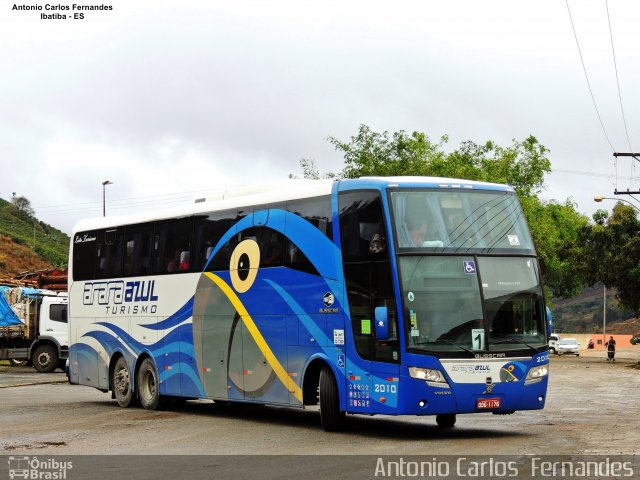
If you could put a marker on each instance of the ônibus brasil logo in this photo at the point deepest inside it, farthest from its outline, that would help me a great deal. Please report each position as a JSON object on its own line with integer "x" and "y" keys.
{"x": 35, "y": 468}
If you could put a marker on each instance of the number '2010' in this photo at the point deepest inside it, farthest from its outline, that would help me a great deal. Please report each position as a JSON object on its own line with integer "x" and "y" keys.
{"x": 381, "y": 388}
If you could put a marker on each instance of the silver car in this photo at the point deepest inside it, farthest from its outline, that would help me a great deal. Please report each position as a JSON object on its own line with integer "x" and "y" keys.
{"x": 568, "y": 345}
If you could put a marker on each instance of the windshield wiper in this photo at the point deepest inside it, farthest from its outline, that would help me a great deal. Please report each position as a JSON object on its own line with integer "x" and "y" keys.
{"x": 514, "y": 340}
{"x": 449, "y": 342}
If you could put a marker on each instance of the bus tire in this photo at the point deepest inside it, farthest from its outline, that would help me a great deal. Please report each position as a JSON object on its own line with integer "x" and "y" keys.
{"x": 148, "y": 385}
{"x": 330, "y": 415}
{"x": 121, "y": 384}
{"x": 45, "y": 358}
{"x": 446, "y": 421}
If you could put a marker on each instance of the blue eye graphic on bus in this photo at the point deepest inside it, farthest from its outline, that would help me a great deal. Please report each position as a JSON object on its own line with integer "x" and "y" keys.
{"x": 512, "y": 372}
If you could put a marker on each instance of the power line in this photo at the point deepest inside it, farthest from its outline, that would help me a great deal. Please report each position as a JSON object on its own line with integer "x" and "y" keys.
{"x": 584, "y": 68}
{"x": 587, "y": 174}
{"x": 615, "y": 64}
{"x": 99, "y": 203}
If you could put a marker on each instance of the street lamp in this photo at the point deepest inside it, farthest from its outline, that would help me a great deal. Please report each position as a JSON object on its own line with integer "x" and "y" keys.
{"x": 104, "y": 184}
{"x": 600, "y": 198}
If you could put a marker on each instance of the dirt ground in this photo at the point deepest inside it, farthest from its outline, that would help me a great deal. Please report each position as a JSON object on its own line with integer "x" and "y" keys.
{"x": 592, "y": 408}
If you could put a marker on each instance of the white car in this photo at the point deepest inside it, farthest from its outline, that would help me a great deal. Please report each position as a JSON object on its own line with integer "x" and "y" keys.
{"x": 568, "y": 345}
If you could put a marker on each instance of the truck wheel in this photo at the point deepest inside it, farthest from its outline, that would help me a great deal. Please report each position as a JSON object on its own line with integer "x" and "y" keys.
{"x": 121, "y": 384}
{"x": 148, "y": 385}
{"x": 45, "y": 358}
{"x": 330, "y": 415}
{"x": 18, "y": 363}
{"x": 552, "y": 350}
{"x": 446, "y": 421}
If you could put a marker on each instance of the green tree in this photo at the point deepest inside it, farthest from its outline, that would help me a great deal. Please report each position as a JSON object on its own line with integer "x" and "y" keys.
{"x": 23, "y": 204}
{"x": 522, "y": 164}
{"x": 611, "y": 254}
{"x": 556, "y": 230}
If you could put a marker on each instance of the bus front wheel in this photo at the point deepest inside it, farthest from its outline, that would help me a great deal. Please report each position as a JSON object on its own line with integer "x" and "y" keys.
{"x": 148, "y": 385}
{"x": 331, "y": 416}
{"x": 446, "y": 421}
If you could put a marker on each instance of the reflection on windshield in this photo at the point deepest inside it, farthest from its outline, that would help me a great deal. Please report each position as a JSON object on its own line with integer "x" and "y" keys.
{"x": 444, "y": 306}
{"x": 461, "y": 220}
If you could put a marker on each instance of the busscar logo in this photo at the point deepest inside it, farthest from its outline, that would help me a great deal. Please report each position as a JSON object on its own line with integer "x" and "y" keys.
{"x": 328, "y": 299}
{"x": 35, "y": 468}
{"x": 122, "y": 298}
{"x": 490, "y": 355}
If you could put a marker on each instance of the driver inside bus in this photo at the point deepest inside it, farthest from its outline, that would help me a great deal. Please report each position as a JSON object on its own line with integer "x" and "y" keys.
{"x": 418, "y": 232}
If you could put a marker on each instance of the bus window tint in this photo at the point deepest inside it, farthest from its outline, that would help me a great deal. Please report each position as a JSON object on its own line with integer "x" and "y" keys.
{"x": 461, "y": 220}
{"x": 271, "y": 248}
{"x": 110, "y": 254}
{"x": 316, "y": 211}
{"x": 208, "y": 232}
{"x": 137, "y": 250}
{"x": 84, "y": 255}
{"x": 172, "y": 245}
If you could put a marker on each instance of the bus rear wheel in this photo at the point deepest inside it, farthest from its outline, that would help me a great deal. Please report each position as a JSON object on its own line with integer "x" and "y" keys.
{"x": 121, "y": 384}
{"x": 446, "y": 421}
{"x": 148, "y": 385}
{"x": 330, "y": 415}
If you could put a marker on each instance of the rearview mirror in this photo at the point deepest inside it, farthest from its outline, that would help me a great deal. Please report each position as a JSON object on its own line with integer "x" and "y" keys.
{"x": 382, "y": 323}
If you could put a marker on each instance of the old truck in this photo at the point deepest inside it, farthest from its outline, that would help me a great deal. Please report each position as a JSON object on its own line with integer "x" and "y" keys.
{"x": 33, "y": 327}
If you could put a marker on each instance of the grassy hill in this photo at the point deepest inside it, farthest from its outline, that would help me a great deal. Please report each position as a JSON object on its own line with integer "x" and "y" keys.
{"x": 27, "y": 243}
{"x": 584, "y": 313}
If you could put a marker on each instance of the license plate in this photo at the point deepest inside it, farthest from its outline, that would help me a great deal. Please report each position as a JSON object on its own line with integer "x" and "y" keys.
{"x": 488, "y": 403}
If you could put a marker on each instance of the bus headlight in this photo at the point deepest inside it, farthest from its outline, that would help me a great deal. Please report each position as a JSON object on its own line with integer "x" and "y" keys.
{"x": 536, "y": 374}
{"x": 427, "y": 374}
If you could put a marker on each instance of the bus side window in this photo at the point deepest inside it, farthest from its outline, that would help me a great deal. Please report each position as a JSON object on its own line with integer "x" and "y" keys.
{"x": 137, "y": 245}
{"x": 84, "y": 255}
{"x": 173, "y": 246}
{"x": 367, "y": 271}
{"x": 316, "y": 211}
{"x": 208, "y": 232}
{"x": 110, "y": 254}
{"x": 271, "y": 248}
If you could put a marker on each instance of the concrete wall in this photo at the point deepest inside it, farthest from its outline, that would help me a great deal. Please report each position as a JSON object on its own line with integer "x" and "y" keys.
{"x": 583, "y": 339}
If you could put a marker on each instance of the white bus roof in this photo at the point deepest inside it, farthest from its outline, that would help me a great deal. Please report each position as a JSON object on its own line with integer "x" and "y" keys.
{"x": 234, "y": 197}
{"x": 289, "y": 189}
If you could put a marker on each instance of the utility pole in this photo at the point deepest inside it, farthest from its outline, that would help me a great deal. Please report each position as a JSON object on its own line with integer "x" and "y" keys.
{"x": 604, "y": 317}
{"x": 635, "y": 156}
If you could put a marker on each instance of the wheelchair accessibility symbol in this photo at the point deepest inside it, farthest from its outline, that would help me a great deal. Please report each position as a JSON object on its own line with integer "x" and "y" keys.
{"x": 469, "y": 267}
{"x": 341, "y": 360}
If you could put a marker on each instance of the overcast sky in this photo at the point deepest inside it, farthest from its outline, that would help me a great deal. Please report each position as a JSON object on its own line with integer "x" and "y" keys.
{"x": 169, "y": 99}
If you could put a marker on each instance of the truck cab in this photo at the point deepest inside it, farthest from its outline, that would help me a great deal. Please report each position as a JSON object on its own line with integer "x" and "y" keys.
{"x": 554, "y": 339}
{"x": 53, "y": 319}
{"x": 50, "y": 348}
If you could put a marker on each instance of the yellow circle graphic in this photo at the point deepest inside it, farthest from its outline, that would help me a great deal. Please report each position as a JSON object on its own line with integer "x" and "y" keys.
{"x": 243, "y": 267}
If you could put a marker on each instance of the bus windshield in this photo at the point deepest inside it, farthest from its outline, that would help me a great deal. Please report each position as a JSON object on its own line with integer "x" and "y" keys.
{"x": 458, "y": 220}
{"x": 447, "y": 311}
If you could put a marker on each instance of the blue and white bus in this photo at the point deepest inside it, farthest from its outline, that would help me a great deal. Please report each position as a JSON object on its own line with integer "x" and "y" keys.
{"x": 394, "y": 296}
